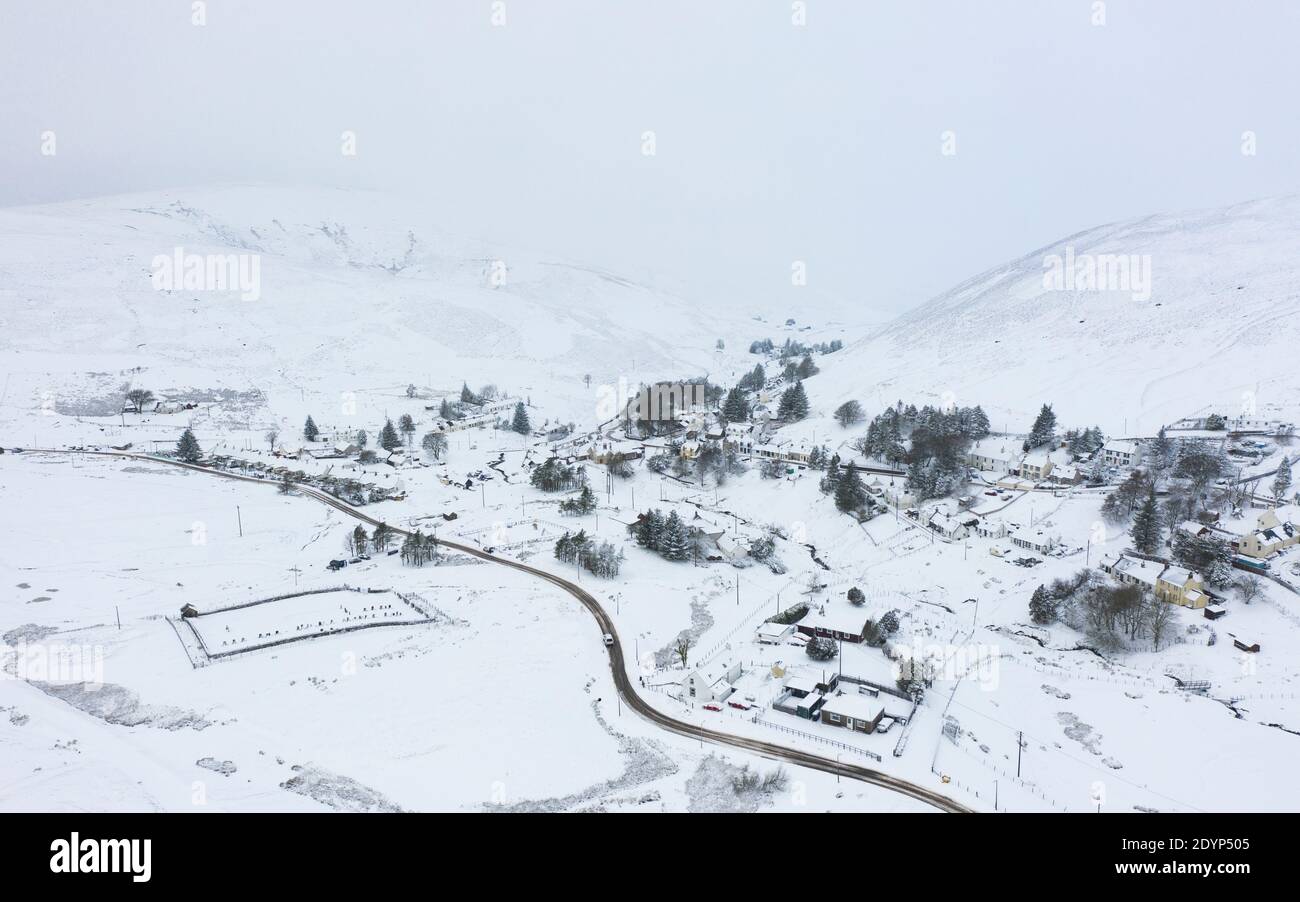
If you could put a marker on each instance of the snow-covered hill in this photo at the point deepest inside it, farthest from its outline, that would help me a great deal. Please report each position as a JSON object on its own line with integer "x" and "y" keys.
{"x": 1221, "y": 327}
{"x": 359, "y": 293}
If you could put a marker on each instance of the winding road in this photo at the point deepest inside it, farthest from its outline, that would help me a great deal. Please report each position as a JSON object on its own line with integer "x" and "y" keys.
{"x": 616, "y": 658}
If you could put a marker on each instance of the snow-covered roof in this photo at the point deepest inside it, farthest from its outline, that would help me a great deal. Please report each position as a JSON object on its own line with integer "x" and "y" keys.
{"x": 999, "y": 448}
{"x": 1119, "y": 446}
{"x": 840, "y": 619}
{"x": 1139, "y": 569}
{"x": 801, "y": 684}
{"x": 859, "y": 707}
{"x": 1178, "y": 576}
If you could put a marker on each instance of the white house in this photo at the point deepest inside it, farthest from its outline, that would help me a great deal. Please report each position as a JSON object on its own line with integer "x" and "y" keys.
{"x": 711, "y": 684}
{"x": 773, "y": 633}
{"x": 1036, "y": 465}
{"x": 994, "y": 454}
{"x": 1119, "y": 453}
{"x": 952, "y": 527}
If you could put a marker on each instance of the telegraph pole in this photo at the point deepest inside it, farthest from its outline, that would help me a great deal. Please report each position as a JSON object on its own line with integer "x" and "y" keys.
{"x": 239, "y": 517}
{"x": 1020, "y": 745}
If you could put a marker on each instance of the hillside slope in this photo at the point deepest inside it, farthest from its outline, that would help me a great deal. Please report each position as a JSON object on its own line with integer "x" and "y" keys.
{"x": 1221, "y": 327}
{"x": 359, "y": 294}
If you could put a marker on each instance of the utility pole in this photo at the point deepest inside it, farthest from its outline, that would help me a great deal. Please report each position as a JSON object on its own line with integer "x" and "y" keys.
{"x": 1020, "y": 746}
{"x": 239, "y": 517}
{"x": 118, "y": 613}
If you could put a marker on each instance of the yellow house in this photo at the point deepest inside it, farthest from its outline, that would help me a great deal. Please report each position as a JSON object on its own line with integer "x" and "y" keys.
{"x": 1274, "y": 532}
{"x": 1178, "y": 585}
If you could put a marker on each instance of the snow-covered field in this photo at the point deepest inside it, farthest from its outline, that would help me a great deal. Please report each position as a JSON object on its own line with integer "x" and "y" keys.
{"x": 502, "y": 698}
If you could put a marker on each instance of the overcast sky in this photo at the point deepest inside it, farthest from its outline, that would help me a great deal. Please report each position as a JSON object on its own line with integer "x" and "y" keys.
{"x": 773, "y": 142}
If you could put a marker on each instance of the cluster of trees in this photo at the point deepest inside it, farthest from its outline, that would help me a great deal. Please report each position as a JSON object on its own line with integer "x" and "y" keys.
{"x": 358, "y": 542}
{"x": 804, "y": 369}
{"x": 754, "y": 379}
{"x": 419, "y": 549}
{"x": 793, "y": 348}
{"x": 669, "y": 536}
{"x": 1108, "y": 613}
{"x": 1083, "y": 442}
{"x": 735, "y": 408}
{"x": 601, "y": 559}
{"x": 887, "y": 431}
{"x": 849, "y": 414}
{"x": 553, "y": 476}
{"x": 1208, "y": 555}
{"x": 845, "y": 484}
{"x": 793, "y": 404}
{"x": 584, "y": 503}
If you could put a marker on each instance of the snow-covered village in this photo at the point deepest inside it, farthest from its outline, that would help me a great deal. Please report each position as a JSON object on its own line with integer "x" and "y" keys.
{"x": 316, "y": 501}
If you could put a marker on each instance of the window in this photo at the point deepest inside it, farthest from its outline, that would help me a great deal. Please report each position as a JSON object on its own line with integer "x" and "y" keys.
{"x": 692, "y": 691}
{"x": 835, "y": 718}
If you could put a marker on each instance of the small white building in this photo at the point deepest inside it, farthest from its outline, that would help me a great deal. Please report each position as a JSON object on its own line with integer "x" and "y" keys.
{"x": 710, "y": 684}
{"x": 773, "y": 633}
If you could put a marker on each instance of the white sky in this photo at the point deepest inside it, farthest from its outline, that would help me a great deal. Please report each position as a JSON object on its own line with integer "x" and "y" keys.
{"x": 774, "y": 143}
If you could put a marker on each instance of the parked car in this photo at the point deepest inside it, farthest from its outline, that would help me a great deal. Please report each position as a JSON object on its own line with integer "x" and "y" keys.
{"x": 337, "y": 565}
{"x": 713, "y": 706}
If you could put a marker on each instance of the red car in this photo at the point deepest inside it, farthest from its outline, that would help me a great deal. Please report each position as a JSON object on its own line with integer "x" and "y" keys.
{"x": 712, "y": 706}
{"x": 744, "y": 706}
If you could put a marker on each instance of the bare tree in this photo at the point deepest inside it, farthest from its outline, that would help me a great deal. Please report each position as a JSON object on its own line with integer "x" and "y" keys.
{"x": 1249, "y": 587}
{"x": 139, "y": 397}
{"x": 1159, "y": 619}
{"x": 682, "y": 649}
{"x": 271, "y": 436}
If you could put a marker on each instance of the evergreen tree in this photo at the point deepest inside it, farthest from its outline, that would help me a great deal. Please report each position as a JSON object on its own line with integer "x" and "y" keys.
{"x": 187, "y": 449}
{"x": 1042, "y": 607}
{"x": 1147, "y": 532}
{"x": 1282, "y": 481}
{"x": 1044, "y": 429}
{"x": 520, "y": 422}
{"x": 977, "y": 423}
{"x": 832, "y": 477}
{"x": 445, "y": 411}
{"x": 675, "y": 545}
{"x": 857, "y": 597}
{"x": 1162, "y": 452}
{"x": 794, "y": 403}
{"x": 466, "y": 396}
{"x": 407, "y": 425}
{"x": 850, "y": 493}
{"x": 309, "y": 430}
{"x": 388, "y": 439}
{"x": 735, "y": 409}
{"x": 806, "y": 367}
{"x": 362, "y": 438}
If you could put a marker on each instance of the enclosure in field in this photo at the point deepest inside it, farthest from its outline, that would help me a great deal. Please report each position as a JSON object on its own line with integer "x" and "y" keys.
{"x": 215, "y": 634}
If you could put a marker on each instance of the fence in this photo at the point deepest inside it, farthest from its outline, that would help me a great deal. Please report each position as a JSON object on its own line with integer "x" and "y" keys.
{"x": 815, "y": 738}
